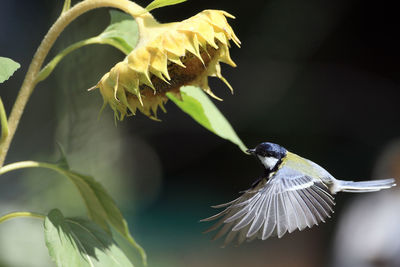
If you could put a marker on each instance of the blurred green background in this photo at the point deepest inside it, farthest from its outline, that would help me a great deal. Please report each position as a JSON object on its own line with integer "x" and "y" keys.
{"x": 318, "y": 77}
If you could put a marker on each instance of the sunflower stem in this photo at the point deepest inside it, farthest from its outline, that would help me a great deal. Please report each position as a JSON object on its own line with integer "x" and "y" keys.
{"x": 26, "y": 164}
{"x": 3, "y": 121}
{"x": 17, "y": 214}
{"x": 30, "y": 81}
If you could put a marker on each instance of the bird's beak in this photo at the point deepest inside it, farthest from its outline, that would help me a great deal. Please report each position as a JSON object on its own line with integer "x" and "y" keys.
{"x": 251, "y": 151}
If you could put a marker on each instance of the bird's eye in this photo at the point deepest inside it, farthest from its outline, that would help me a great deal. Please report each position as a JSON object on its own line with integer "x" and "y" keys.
{"x": 270, "y": 155}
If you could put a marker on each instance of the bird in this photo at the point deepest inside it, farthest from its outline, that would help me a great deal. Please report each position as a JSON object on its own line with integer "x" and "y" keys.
{"x": 293, "y": 193}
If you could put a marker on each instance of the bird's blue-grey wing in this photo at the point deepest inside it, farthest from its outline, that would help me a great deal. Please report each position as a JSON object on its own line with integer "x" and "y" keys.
{"x": 288, "y": 201}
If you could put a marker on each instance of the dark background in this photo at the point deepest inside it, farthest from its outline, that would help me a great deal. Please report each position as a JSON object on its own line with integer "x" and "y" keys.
{"x": 318, "y": 77}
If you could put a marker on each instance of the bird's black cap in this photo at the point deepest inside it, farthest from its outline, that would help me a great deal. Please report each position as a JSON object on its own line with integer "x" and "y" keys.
{"x": 267, "y": 149}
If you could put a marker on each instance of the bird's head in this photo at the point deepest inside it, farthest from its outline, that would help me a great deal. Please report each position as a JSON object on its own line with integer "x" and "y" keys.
{"x": 269, "y": 154}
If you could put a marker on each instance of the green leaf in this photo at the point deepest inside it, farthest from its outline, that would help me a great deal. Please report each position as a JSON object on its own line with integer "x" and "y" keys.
{"x": 100, "y": 206}
{"x": 7, "y": 68}
{"x": 199, "y": 106}
{"x": 122, "y": 30}
{"x": 161, "y": 3}
{"x": 125, "y": 245}
{"x": 122, "y": 33}
{"x": 78, "y": 242}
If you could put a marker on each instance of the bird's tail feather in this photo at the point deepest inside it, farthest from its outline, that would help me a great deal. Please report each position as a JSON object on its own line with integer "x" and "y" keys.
{"x": 365, "y": 186}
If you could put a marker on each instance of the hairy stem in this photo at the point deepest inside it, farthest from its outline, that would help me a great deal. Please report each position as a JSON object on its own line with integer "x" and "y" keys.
{"x": 140, "y": 14}
{"x": 3, "y": 121}
{"x": 17, "y": 214}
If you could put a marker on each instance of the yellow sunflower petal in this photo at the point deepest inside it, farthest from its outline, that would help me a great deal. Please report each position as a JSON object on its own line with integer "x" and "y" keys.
{"x": 173, "y": 55}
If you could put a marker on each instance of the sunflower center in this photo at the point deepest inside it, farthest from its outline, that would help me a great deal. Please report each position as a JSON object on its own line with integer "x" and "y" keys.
{"x": 181, "y": 76}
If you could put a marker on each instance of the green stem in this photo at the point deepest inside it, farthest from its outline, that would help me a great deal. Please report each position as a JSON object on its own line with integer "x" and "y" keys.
{"x": 3, "y": 121}
{"x": 27, "y": 164}
{"x": 17, "y": 214}
{"x": 48, "y": 69}
{"x": 67, "y": 6}
{"x": 112, "y": 42}
{"x": 139, "y": 13}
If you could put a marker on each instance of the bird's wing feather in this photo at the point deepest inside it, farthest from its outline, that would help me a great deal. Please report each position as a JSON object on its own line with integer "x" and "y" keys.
{"x": 288, "y": 201}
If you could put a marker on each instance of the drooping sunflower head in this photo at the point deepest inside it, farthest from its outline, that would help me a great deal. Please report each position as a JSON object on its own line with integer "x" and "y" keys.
{"x": 167, "y": 57}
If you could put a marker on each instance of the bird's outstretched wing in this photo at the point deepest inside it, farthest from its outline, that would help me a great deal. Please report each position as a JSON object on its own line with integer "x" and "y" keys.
{"x": 288, "y": 201}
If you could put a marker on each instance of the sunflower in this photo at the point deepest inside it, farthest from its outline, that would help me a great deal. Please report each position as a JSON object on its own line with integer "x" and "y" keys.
{"x": 167, "y": 57}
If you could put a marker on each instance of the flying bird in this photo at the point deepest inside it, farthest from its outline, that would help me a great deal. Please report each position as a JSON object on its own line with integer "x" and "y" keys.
{"x": 294, "y": 193}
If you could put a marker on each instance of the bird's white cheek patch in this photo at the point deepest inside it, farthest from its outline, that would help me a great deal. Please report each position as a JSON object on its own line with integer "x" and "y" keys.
{"x": 268, "y": 162}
